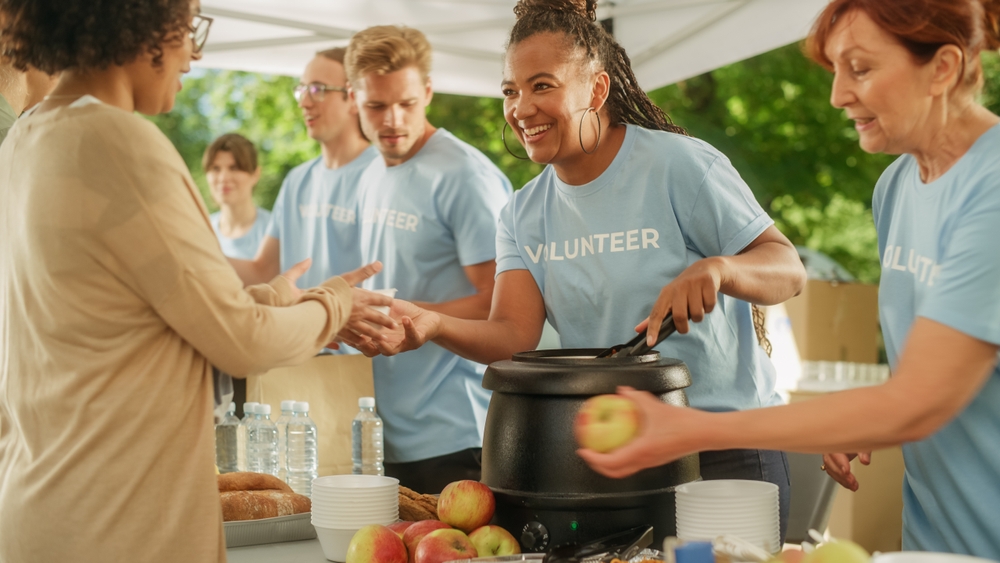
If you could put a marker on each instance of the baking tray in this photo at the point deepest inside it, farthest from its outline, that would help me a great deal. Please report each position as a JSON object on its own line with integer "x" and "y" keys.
{"x": 269, "y": 530}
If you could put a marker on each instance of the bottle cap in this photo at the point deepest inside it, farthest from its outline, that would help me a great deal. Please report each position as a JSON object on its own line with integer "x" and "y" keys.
{"x": 248, "y": 407}
{"x": 263, "y": 409}
{"x": 301, "y": 406}
{"x": 232, "y": 407}
{"x": 366, "y": 402}
{"x": 287, "y": 405}
{"x": 694, "y": 552}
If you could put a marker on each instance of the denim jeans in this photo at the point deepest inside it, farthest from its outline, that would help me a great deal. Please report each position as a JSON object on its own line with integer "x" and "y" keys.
{"x": 756, "y": 465}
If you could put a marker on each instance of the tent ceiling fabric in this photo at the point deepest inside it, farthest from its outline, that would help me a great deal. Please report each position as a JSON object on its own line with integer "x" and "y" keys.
{"x": 667, "y": 40}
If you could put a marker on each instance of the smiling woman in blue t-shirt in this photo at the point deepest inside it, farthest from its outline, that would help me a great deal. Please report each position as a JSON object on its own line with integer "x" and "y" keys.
{"x": 631, "y": 219}
{"x": 907, "y": 73}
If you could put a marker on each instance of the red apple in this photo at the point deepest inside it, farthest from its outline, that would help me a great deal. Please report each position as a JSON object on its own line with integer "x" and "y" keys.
{"x": 400, "y": 527}
{"x": 466, "y": 505}
{"x": 494, "y": 540}
{"x": 444, "y": 545}
{"x": 416, "y": 532}
{"x": 606, "y": 422}
{"x": 376, "y": 544}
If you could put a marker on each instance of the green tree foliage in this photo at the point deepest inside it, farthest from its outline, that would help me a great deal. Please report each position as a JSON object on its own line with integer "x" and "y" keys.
{"x": 770, "y": 115}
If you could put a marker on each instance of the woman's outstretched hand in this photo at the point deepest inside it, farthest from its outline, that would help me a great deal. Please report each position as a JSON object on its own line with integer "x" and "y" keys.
{"x": 415, "y": 327}
{"x": 691, "y": 295}
{"x": 665, "y": 435}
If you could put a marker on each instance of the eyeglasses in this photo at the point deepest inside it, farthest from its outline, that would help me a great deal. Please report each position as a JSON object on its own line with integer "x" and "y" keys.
{"x": 317, "y": 91}
{"x": 199, "y": 31}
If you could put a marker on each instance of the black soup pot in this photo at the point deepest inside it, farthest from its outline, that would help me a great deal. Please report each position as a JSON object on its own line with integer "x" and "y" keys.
{"x": 545, "y": 494}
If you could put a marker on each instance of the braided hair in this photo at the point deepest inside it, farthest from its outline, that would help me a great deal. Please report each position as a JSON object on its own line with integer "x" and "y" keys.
{"x": 627, "y": 103}
{"x": 577, "y": 19}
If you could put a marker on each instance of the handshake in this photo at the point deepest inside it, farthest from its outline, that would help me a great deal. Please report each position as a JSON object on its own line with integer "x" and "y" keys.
{"x": 378, "y": 324}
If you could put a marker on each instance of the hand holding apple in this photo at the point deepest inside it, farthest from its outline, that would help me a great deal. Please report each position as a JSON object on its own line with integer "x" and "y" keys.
{"x": 376, "y": 544}
{"x": 494, "y": 540}
{"x": 416, "y": 532}
{"x": 444, "y": 545}
{"x": 606, "y": 422}
{"x": 466, "y": 505}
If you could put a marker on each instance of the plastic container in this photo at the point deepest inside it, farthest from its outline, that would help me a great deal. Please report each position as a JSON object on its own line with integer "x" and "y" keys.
{"x": 226, "y": 444}
{"x": 241, "y": 435}
{"x": 262, "y": 443}
{"x": 281, "y": 424}
{"x": 302, "y": 455}
{"x": 368, "y": 451}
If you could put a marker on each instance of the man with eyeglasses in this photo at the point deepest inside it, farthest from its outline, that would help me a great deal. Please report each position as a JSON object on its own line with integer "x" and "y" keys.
{"x": 315, "y": 215}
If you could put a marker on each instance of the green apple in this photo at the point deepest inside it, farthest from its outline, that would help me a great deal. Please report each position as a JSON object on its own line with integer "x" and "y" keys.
{"x": 494, "y": 540}
{"x": 606, "y": 422}
{"x": 444, "y": 545}
{"x": 466, "y": 505}
{"x": 376, "y": 544}
{"x": 838, "y": 551}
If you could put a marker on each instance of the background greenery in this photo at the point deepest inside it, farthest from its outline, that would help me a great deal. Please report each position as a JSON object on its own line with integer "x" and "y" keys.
{"x": 769, "y": 114}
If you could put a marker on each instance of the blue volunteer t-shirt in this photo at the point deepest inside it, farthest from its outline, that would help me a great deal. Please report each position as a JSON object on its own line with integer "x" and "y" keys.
{"x": 427, "y": 219}
{"x": 245, "y": 247}
{"x": 941, "y": 261}
{"x": 315, "y": 216}
{"x": 601, "y": 253}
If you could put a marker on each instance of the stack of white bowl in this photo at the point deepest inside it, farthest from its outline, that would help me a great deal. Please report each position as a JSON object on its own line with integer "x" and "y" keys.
{"x": 729, "y": 507}
{"x": 343, "y": 504}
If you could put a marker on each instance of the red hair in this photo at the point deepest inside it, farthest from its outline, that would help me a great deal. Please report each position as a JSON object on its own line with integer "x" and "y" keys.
{"x": 921, "y": 26}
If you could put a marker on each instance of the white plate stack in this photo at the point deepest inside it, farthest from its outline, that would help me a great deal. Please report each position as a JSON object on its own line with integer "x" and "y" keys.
{"x": 729, "y": 507}
{"x": 343, "y": 504}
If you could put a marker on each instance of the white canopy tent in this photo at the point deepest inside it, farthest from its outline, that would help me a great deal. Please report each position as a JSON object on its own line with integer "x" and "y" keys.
{"x": 667, "y": 40}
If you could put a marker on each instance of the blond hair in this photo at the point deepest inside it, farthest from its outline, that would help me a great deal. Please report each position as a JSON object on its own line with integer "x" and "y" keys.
{"x": 335, "y": 54}
{"x": 387, "y": 48}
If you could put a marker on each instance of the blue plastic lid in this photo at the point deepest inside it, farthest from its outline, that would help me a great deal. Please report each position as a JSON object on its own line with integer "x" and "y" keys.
{"x": 694, "y": 552}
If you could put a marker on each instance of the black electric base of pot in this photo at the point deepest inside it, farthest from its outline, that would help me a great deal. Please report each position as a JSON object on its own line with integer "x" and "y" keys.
{"x": 543, "y": 523}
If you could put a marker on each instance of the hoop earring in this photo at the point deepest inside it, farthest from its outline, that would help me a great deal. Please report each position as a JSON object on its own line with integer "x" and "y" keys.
{"x": 598, "y": 130}
{"x": 503, "y": 138}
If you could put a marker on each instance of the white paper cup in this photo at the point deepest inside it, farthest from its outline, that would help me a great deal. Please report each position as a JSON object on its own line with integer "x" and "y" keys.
{"x": 335, "y": 542}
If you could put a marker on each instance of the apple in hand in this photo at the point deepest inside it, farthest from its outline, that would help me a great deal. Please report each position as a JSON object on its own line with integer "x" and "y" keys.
{"x": 400, "y": 527}
{"x": 466, "y": 505}
{"x": 606, "y": 422}
{"x": 416, "y": 532}
{"x": 494, "y": 540}
{"x": 444, "y": 545}
{"x": 376, "y": 544}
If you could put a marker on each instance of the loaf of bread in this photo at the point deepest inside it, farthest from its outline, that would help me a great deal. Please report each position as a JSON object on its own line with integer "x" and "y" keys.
{"x": 414, "y": 507}
{"x": 254, "y": 505}
{"x": 247, "y": 481}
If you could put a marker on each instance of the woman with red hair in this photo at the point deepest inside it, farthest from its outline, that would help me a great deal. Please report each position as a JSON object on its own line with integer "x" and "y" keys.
{"x": 907, "y": 73}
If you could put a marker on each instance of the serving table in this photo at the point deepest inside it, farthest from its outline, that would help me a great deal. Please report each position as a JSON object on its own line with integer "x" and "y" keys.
{"x": 305, "y": 551}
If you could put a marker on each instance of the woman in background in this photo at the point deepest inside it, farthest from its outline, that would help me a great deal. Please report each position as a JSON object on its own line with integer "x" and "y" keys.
{"x": 231, "y": 168}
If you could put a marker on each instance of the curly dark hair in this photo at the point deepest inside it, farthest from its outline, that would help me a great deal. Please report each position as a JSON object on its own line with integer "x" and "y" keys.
{"x": 577, "y": 19}
{"x": 56, "y": 35}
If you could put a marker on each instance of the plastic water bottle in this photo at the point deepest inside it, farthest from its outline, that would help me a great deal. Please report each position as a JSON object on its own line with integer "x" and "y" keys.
{"x": 226, "y": 447}
{"x": 281, "y": 424}
{"x": 303, "y": 458}
{"x": 241, "y": 435}
{"x": 262, "y": 443}
{"x": 366, "y": 439}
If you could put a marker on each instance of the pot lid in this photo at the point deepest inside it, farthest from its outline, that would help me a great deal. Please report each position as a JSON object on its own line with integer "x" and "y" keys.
{"x": 578, "y": 372}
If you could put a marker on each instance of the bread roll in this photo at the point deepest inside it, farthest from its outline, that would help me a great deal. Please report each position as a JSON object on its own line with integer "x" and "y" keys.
{"x": 247, "y": 481}
{"x": 254, "y": 505}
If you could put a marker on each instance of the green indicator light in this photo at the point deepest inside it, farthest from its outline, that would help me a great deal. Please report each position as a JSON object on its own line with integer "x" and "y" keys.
{"x": 574, "y": 525}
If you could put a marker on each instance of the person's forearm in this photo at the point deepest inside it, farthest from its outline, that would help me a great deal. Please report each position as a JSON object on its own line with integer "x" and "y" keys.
{"x": 484, "y": 341}
{"x": 769, "y": 274}
{"x": 474, "y": 307}
{"x": 252, "y": 272}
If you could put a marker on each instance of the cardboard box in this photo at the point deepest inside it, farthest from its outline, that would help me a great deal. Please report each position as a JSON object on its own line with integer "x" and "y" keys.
{"x": 836, "y": 322}
{"x": 872, "y": 516}
{"x": 332, "y": 386}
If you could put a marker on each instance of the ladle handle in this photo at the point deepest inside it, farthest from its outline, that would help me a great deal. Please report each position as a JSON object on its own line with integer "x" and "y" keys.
{"x": 666, "y": 329}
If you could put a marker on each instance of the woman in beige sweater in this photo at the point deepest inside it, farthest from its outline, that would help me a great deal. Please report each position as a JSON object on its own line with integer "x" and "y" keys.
{"x": 116, "y": 299}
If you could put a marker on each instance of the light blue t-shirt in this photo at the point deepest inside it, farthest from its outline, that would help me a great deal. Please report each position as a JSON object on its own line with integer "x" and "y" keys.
{"x": 245, "y": 247}
{"x": 427, "y": 219}
{"x": 315, "y": 216}
{"x": 940, "y": 244}
{"x": 601, "y": 252}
